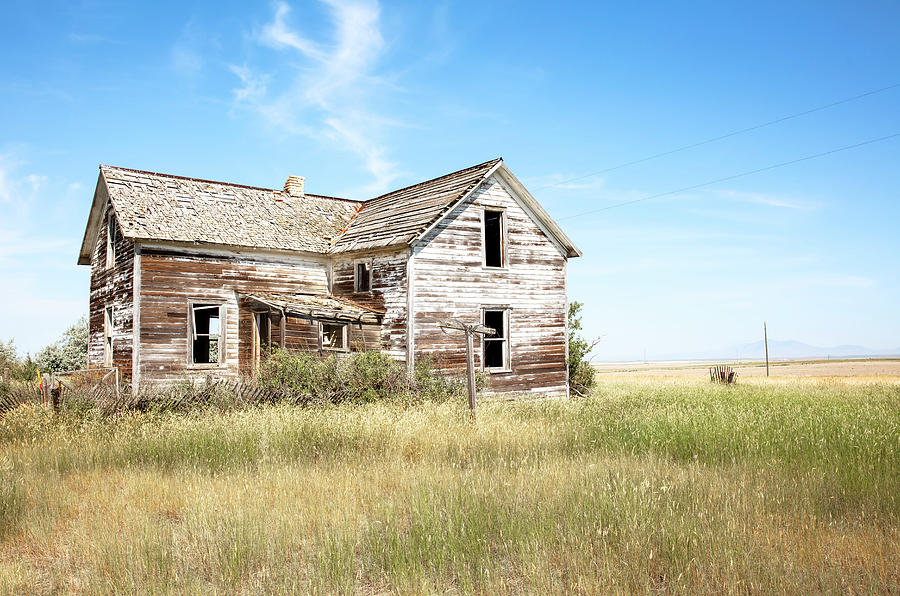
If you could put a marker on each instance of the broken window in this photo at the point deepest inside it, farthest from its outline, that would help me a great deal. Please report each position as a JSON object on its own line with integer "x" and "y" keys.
{"x": 496, "y": 346}
{"x": 206, "y": 330}
{"x": 107, "y": 336}
{"x": 334, "y": 336}
{"x": 110, "y": 241}
{"x": 363, "y": 276}
{"x": 493, "y": 238}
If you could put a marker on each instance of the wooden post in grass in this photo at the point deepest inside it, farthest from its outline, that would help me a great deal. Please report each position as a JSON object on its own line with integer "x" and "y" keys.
{"x": 470, "y": 331}
{"x": 470, "y": 370}
{"x": 766, "y": 341}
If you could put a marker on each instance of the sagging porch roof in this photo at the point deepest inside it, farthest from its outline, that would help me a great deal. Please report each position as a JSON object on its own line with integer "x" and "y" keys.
{"x": 317, "y": 306}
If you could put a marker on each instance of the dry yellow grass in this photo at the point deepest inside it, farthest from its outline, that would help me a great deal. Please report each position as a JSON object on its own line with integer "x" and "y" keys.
{"x": 646, "y": 487}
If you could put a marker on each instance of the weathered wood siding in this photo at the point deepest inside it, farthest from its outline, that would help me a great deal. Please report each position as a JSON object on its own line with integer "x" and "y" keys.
{"x": 170, "y": 280}
{"x": 448, "y": 280}
{"x": 112, "y": 287}
{"x": 388, "y": 283}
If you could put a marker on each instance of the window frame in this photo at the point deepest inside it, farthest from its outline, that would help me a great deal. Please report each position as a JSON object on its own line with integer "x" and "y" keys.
{"x": 345, "y": 336}
{"x": 108, "y": 335}
{"x": 507, "y": 352}
{"x": 356, "y": 265}
{"x": 504, "y": 257}
{"x": 192, "y": 304}
{"x": 110, "y": 241}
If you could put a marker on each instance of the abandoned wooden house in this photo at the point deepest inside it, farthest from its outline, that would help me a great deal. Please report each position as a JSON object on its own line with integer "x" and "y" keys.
{"x": 194, "y": 277}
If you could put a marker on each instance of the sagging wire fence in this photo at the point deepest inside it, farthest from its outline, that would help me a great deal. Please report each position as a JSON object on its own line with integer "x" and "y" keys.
{"x": 102, "y": 389}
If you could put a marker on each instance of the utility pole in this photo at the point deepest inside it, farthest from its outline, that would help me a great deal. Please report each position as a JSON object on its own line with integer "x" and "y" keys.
{"x": 470, "y": 331}
{"x": 766, "y": 341}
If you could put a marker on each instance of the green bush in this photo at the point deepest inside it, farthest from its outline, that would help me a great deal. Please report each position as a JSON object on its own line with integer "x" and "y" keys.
{"x": 581, "y": 373}
{"x": 69, "y": 352}
{"x": 14, "y": 368}
{"x": 357, "y": 378}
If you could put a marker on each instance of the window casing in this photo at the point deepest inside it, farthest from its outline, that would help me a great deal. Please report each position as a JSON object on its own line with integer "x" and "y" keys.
{"x": 362, "y": 276}
{"x": 495, "y": 348}
{"x": 333, "y": 336}
{"x": 207, "y": 344}
{"x": 110, "y": 241}
{"x": 494, "y": 238}
{"x": 108, "y": 336}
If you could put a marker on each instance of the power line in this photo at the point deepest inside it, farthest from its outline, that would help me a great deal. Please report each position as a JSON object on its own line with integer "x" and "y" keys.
{"x": 725, "y": 136}
{"x": 733, "y": 176}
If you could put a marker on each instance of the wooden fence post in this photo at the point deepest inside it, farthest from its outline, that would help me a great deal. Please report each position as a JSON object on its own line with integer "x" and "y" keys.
{"x": 470, "y": 331}
{"x": 55, "y": 390}
{"x": 45, "y": 388}
{"x": 470, "y": 370}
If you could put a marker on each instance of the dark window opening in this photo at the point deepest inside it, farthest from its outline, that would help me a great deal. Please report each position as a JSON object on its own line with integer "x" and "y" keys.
{"x": 363, "y": 277}
{"x": 108, "y": 336}
{"x": 110, "y": 242}
{"x": 206, "y": 322}
{"x": 493, "y": 238}
{"x": 334, "y": 336}
{"x": 264, "y": 328}
{"x": 495, "y": 346}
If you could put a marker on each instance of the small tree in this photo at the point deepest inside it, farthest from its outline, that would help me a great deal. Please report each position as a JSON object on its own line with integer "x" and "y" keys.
{"x": 68, "y": 352}
{"x": 581, "y": 373}
{"x": 13, "y": 367}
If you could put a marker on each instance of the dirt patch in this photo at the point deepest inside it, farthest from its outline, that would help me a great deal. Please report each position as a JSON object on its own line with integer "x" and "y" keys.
{"x": 886, "y": 369}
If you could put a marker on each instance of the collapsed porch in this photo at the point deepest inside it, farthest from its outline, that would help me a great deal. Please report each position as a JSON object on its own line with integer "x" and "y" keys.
{"x": 303, "y": 322}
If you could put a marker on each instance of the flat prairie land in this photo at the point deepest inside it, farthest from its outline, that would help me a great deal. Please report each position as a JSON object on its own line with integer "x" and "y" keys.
{"x": 648, "y": 486}
{"x": 870, "y": 369}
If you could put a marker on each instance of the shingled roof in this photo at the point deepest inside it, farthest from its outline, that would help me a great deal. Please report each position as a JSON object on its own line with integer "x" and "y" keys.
{"x": 153, "y": 206}
{"x": 400, "y": 216}
{"x": 163, "y": 207}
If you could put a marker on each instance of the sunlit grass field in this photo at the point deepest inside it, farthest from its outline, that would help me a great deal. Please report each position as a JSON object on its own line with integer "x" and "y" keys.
{"x": 662, "y": 486}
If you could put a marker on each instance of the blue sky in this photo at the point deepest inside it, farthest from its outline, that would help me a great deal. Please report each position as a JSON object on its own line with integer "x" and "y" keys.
{"x": 362, "y": 97}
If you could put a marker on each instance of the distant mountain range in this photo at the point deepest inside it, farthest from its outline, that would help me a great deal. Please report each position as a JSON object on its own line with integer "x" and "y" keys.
{"x": 780, "y": 350}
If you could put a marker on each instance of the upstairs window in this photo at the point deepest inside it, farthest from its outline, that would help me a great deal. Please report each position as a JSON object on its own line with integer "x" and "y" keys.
{"x": 107, "y": 336}
{"x": 110, "y": 241}
{"x": 495, "y": 348}
{"x": 334, "y": 337}
{"x": 493, "y": 239}
{"x": 206, "y": 333}
{"x": 363, "y": 277}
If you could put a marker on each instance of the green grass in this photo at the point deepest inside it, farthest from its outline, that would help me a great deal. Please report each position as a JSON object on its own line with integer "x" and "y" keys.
{"x": 644, "y": 487}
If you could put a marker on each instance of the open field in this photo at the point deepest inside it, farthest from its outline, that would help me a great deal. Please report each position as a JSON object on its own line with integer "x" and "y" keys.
{"x": 648, "y": 486}
{"x": 877, "y": 369}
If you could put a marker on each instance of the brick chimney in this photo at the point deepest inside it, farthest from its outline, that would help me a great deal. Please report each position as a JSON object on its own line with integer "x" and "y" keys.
{"x": 293, "y": 186}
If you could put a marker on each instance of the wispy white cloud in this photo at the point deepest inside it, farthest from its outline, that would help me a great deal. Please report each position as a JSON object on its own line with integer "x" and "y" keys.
{"x": 86, "y": 38}
{"x": 765, "y": 199}
{"x": 14, "y": 245}
{"x": 190, "y": 52}
{"x": 37, "y": 256}
{"x": 185, "y": 60}
{"x": 565, "y": 181}
{"x": 330, "y": 96}
{"x": 17, "y": 190}
{"x": 277, "y": 34}
{"x": 253, "y": 87}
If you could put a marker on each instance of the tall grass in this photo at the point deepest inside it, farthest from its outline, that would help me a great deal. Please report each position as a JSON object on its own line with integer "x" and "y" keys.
{"x": 642, "y": 487}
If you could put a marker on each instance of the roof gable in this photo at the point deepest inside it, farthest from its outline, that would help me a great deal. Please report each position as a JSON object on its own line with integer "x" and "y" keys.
{"x": 537, "y": 213}
{"x": 400, "y": 217}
